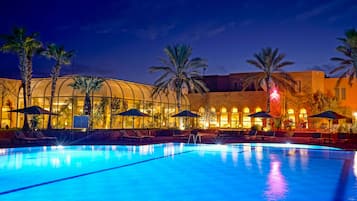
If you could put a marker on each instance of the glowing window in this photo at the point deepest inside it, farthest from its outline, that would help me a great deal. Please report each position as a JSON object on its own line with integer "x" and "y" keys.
{"x": 258, "y": 121}
{"x": 235, "y": 118}
{"x": 223, "y": 110}
{"x": 246, "y": 119}
{"x": 224, "y": 118}
{"x": 246, "y": 110}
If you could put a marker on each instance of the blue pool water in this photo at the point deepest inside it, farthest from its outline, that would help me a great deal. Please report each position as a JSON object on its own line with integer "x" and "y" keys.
{"x": 182, "y": 172}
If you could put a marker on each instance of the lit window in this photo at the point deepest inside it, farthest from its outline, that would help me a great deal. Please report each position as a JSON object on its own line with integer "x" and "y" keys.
{"x": 343, "y": 93}
{"x": 337, "y": 93}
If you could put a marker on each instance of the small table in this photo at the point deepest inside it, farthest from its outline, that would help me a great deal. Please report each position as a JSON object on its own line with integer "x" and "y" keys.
{"x": 195, "y": 137}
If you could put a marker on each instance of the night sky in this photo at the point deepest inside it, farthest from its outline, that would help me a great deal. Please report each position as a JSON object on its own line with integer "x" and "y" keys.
{"x": 122, "y": 39}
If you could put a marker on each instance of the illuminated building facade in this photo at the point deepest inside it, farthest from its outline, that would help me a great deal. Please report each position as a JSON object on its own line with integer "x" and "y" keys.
{"x": 225, "y": 106}
{"x": 228, "y": 106}
{"x": 115, "y": 96}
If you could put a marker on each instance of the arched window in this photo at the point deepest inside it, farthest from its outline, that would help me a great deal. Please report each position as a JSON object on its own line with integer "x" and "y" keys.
{"x": 303, "y": 118}
{"x": 291, "y": 118}
{"x": 235, "y": 118}
{"x": 202, "y": 121}
{"x": 258, "y": 121}
{"x": 224, "y": 118}
{"x": 213, "y": 118}
{"x": 246, "y": 119}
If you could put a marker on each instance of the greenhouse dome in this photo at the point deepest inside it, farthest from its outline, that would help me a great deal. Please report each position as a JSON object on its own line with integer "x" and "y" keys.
{"x": 113, "y": 97}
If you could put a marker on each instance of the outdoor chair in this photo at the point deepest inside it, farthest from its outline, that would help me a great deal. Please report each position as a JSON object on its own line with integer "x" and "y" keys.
{"x": 342, "y": 137}
{"x": 316, "y": 137}
{"x": 21, "y": 137}
{"x": 270, "y": 135}
{"x": 143, "y": 133}
{"x": 133, "y": 135}
{"x": 252, "y": 134}
{"x": 40, "y": 136}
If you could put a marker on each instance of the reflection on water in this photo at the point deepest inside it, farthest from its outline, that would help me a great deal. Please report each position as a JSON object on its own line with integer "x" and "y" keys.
{"x": 259, "y": 156}
{"x": 247, "y": 154}
{"x": 276, "y": 185}
{"x": 235, "y": 155}
{"x": 355, "y": 165}
{"x": 304, "y": 158}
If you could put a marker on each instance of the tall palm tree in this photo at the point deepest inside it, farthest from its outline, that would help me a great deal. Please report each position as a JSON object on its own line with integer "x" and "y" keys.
{"x": 33, "y": 47}
{"x": 61, "y": 57}
{"x": 24, "y": 46}
{"x": 179, "y": 72}
{"x": 271, "y": 63}
{"x": 87, "y": 85}
{"x": 347, "y": 65}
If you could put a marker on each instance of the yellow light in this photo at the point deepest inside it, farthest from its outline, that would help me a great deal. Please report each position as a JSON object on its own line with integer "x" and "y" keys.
{"x": 355, "y": 114}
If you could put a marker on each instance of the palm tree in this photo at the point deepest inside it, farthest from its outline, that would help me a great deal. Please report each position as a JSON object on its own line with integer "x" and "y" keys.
{"x": 33, "y": 47}
{"x": 347, "y": 65}
{"x": 87, "y": 85}
{"x": 271, "y": 63}
{"x": 24, "y": 46}
{"x": 179, "y": 72}
{"x": 61, "y": 57}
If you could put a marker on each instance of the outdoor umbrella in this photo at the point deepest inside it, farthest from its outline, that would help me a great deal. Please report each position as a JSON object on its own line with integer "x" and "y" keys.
{"x": 185, "y": 113}
{"x": 261, "y": 114}
{"x": 329, "y": 114}
{"x": 33, "y": 110}
{"x": 133, "y": 113}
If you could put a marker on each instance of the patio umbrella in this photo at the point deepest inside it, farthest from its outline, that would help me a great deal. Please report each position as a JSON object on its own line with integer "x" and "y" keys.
{"x": 33, "y": 110}
{"x": 260, "y": 114}
{"x": 329, "y": 114}
{"x": 133, "y": 113}
{"x": 186, "y": 113}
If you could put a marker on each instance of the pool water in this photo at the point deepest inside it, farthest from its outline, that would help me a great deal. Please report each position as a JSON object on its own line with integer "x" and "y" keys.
{"x": 178, "y": 172}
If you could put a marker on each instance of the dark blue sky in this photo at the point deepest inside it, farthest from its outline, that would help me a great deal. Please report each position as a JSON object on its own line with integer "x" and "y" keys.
{"x": 121, "y": 39}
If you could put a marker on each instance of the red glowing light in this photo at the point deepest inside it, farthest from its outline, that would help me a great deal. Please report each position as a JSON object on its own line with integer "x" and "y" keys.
{"x": 274, "y": 95}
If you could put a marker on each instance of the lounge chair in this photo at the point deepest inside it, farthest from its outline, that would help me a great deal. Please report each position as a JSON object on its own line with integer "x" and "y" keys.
{"x": 40, "y": 136}
{"x": 271, "y": 134}
{"x": 133, "y": 135}
{"x": 20, "y": 136}
{"x": 316, "y": 137}
{"x": 252, "y": 134}
{"x": 342, "y": 138}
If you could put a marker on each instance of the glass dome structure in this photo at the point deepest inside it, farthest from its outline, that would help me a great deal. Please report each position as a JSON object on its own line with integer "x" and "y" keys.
{"x": 113, "y": 97}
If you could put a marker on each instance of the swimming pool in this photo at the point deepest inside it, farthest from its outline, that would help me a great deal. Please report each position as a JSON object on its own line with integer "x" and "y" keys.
{"x": 179, "y": 172}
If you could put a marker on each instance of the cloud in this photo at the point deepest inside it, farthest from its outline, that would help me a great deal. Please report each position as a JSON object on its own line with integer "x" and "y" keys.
{"x": 321, "y": 9}
{"x": 154, "y": 32}
{"x": 200, "y": 31}
{"x": 348, "y": 12}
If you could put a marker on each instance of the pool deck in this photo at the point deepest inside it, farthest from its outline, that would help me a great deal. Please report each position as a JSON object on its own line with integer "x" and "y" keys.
{"x": 115, "y": 137}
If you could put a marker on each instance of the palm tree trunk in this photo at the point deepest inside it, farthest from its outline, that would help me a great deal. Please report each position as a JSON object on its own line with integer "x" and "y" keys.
{"x": 29, "y": 78}
{"x": 87, "y": 105}
{"x": 178, "y": 99}
{"x": 26, "y": 124}
{"x": 23, "y": 72}
{"x": 1, "y": 105}
{"x": 54, "y": 76}
{"x": 268, "y": 94}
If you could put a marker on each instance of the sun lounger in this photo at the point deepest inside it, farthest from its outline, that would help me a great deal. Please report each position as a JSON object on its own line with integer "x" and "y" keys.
{"x": 252, "y": 135}
{"x": 134, "y": 135}
{"x": 317, "y": 137}
{"x": 40, "y": 136}
{"x": 20, "y": 136}
{"x": 342, "y": 137}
